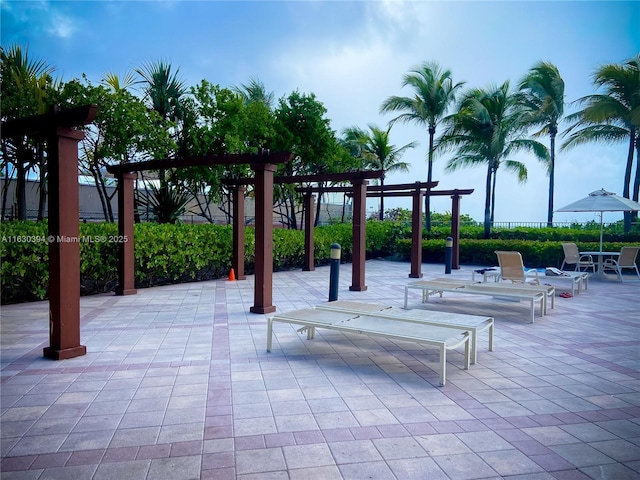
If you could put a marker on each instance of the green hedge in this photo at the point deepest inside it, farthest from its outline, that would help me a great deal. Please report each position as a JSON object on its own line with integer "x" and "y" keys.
{"x": 535, "y": 254}
{"x": 180, "y": 253}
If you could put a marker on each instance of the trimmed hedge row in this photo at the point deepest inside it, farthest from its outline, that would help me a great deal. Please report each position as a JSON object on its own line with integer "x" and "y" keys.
{"x": 181, "y": 253}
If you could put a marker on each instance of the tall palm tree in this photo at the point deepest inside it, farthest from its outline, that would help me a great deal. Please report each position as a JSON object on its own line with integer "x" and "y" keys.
{"x": 612, "y": 116}
{"x": 434, "y": 92}
{"x": 378, "y": 154}
{"x": 542, "y": 96}
{"x": 487, "y": 129}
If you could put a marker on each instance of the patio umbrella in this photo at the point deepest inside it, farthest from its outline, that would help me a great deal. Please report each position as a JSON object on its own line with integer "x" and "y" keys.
{"x": 602, "y": 201}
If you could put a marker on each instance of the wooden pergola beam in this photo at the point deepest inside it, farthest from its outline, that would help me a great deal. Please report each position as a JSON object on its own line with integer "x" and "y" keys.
{"x": 264, "y": 157}
{"x": 322, "y": 177}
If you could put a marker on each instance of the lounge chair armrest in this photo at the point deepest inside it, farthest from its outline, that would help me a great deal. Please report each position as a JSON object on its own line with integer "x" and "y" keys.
{"x": 585, "y": 258}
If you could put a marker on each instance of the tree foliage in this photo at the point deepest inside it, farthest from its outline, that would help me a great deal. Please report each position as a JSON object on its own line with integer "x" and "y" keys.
{"x": 487, "y": 129}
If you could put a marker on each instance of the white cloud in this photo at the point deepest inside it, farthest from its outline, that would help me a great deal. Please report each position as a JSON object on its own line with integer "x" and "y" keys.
{"x": 62, "y": 26}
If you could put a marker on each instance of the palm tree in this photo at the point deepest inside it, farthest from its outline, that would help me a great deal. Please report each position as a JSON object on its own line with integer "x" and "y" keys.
{"x": 27, "y": 89}
{"x": 434, "y": 92}
{"x": 612, "y": 116}
{"x": 377, "y": 153}
{"x": 542, "y": 96}
{"x": 255, "y": 91}
{"x": 118, "y": 83}
{"x": 487, "y": 129}
{"x": 163, "y": 88}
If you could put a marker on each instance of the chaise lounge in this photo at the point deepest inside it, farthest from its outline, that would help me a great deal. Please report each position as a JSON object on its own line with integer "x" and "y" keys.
{"x": 445, "y": 338}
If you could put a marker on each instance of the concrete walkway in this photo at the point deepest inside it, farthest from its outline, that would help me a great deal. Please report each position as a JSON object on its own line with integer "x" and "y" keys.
{"x": 177, "y": 384}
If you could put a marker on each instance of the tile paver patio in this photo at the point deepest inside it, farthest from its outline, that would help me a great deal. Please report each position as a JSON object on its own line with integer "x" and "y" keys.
{"x": 177, "y": 384}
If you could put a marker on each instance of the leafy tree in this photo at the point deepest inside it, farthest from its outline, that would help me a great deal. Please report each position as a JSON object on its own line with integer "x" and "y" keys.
{"x": 612, "y": 116}
{"x": 124, "y": 130}
{"x": 487, "y": 129}
{"x": 542, "y": 96}
{"x": 434, "y": 92}
{"x": 301, "y": 127}
{"x": 224, "y": 124}
{"x": 27, "y": 89}
{"x": 378, "y": 153}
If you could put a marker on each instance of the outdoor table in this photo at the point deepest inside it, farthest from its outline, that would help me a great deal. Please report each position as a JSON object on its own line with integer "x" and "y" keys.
{"x": 601, "y": 256}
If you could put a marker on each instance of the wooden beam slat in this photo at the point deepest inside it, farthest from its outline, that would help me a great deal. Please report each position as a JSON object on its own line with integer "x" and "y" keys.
{"x": 42, "y": 124}
{"x": 203, "y": 160}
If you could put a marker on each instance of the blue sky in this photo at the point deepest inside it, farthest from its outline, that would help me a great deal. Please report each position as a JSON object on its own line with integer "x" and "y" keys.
{"x": 353, "y": 55}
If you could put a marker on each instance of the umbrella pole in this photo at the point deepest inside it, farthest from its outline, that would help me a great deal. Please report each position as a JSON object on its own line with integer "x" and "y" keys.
{"x": 601, "y": 213}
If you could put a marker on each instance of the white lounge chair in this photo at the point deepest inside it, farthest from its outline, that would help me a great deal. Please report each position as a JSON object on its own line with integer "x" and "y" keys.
{"x": 627, "y": 259}
{"x": 442, "y": 337}
{"x": 498, "y": 290}
{"x": 468, "y": 323}
{"x": 572, "y": 257}
{"x": 512, "y": 268}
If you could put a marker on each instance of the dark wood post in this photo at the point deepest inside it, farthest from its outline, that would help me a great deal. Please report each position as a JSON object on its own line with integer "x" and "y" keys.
{"x": 416, "y": 234}
{"x": 263, "y": 291}
{"x": 309, "y": 207}
{"x": 455, "y": 230}
{"x": 359, "y": 235}
{"x": 64, "y": 246}
{"x": 126, "y": 250}
{"x": 237, "y": 260}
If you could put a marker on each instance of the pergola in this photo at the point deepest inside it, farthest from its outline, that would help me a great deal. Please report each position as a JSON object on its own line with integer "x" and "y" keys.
{"x": 416, "y": 192}
{"x": 57, "y": 128}
{"x": 264, "y": 164}
{"x": 358, "y": 189}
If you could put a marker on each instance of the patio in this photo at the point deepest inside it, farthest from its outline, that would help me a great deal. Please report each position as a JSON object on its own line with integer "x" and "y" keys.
{"x": 177, "y": 384}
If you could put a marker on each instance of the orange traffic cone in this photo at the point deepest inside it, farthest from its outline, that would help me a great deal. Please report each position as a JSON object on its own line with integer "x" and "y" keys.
{"x": 232, "y": 276}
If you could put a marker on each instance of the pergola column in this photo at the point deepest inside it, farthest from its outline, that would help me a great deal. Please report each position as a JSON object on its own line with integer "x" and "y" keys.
{"x": 359, "y": 235}
{"x": 455, "y": 230}
{"x": 126, "y": 251}
{"x": 64, "y": 247}
{"x": 263, "y": 290}
{"x": 237, "y": 260}
{"x": 416, "y": 234}
{"x": 309, "y": 206}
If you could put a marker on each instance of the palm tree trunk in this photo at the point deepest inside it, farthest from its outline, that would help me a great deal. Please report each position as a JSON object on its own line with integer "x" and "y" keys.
{"x": 493, "y": 195}
{"x": 427, "y": 197}
{"x": 552, "y": 167}
{"x": 636, "y": 182}
{"x": 381, "y": 214}
{"x": 487, "y": 204}
{"x": 627, "y": 177}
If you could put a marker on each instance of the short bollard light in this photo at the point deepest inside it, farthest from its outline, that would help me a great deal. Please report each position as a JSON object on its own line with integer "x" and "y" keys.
{"x": 334, "y": 273}
{"x": 448, "y": 251}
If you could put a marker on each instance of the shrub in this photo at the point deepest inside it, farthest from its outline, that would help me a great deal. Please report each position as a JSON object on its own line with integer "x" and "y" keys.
{"x": 181, "y": 253}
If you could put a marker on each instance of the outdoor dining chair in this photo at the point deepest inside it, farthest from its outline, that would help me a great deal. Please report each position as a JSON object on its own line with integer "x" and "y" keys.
{"x": 627, "y": 259}
{"x": 572, "y": 257}
{"x": 512, "y": 268}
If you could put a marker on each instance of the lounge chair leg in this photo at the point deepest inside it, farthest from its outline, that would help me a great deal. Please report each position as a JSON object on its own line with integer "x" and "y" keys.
{"x": 443, "y": 365}
{"x": 269, "y": 333}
